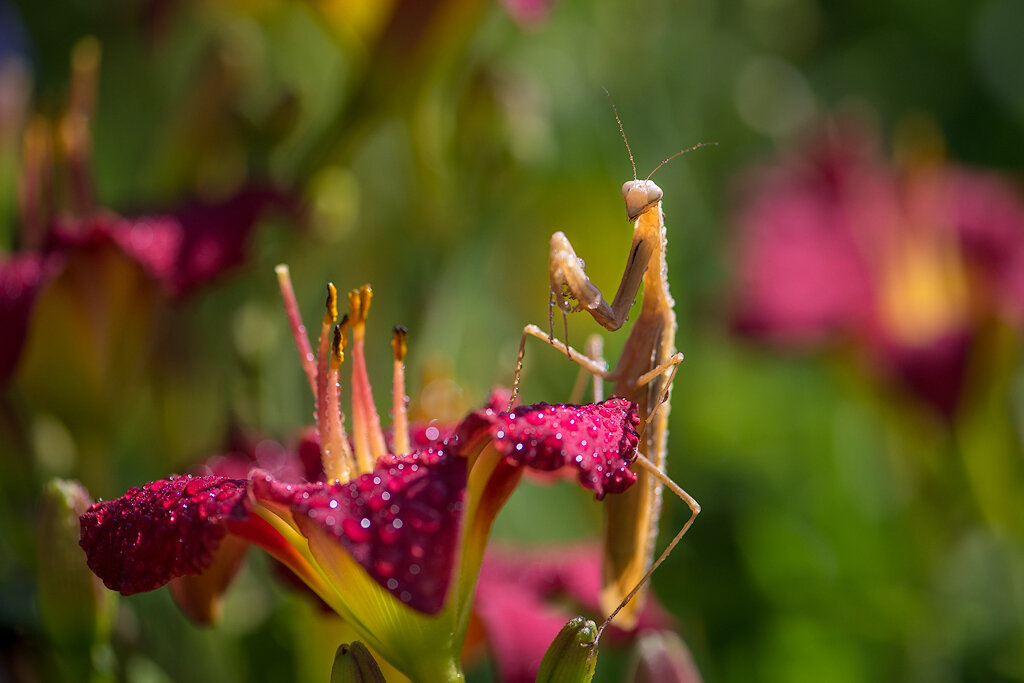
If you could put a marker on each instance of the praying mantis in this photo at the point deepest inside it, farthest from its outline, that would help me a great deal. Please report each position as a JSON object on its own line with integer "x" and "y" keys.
{"x": 643, "y": 374}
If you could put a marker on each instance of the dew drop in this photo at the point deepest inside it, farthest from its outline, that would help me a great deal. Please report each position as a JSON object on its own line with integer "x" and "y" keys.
{"x": 354, "y": 531}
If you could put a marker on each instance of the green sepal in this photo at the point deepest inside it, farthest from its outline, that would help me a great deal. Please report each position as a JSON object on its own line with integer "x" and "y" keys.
{"x": 75, "y": 609}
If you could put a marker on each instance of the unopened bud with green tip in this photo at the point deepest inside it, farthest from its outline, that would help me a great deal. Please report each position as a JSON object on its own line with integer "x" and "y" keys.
{"x": 76, "y": 609}
{"x": 572, "y": 655}
{"x": 662, "y": 657}
{"x": 353, "y": 663}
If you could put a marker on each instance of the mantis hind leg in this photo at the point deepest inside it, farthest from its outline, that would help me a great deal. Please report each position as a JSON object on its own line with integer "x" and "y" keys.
{"x": 631, "y": 518}
{"x": 694, "y": 506}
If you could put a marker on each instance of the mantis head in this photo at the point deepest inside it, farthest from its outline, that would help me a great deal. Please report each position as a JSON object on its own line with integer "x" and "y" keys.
{"x": 640, "y": 195}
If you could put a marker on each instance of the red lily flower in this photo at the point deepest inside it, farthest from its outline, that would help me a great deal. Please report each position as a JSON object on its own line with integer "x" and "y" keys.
{"x": 905, "y": 261}
{"x": 394, "y": 539}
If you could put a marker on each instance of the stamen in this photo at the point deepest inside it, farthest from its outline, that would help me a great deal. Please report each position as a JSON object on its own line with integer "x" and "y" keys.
{"x": 291, "y": 308}
{"x": 400, "y": 426}
{"x": 35, "y": 185}
{"x": 75, "y": 135}
{"x": 366, "y": 431}
{"x": 328, "y": 409}
{"x": 336, "y": 454}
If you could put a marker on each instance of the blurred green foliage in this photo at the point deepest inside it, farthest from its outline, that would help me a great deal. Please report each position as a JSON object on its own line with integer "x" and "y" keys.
{"x": 822, "y": 553}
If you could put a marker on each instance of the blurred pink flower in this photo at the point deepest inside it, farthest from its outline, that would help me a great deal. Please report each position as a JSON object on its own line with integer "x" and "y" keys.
{"x": 528, "y": 12}
{"x": 524, "y": 597}
{"x": 836, "y": 244}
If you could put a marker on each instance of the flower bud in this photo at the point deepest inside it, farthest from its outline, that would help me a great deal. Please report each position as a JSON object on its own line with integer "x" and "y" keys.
{"x": 572, "y": 655}
{"x": 353, "y": 663}
{"x": 662, "y": 657}
{"x": 76, "y": 609}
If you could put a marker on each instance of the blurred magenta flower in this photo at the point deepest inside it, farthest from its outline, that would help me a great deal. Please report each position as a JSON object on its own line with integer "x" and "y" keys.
{"x": 906, "y": 261}
{"x": 524, "y": 597}
{"x": 394, "y": 538}
{"x": 79, "y": 262}
{"x": 528, "y": 12}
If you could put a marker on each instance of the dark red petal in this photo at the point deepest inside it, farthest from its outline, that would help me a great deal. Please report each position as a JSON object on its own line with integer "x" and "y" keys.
{"x": 250, "y": 450}
{"x": 424, "y": 435}
{"x": 935, "y": 372}
{"x": 215, "y": 234}
{"x": 165, "y": 529}
{"x": 21, "y": 277}
{"x": 598, "y": 440}
{"x": 154, "y": 242}
{"x": 401, "y": 523}
{"x": 184, "y": 249}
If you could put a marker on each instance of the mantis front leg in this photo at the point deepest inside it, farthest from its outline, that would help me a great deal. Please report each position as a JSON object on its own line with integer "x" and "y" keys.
{"x": 569, "y": 281}
{"x": 597, "y": 368}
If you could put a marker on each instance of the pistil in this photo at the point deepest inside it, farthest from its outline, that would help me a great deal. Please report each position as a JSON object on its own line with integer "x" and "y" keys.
{"x": 291, "y": 307}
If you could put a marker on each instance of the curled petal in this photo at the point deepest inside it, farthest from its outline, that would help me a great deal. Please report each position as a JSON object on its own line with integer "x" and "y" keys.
{"x": 160, "y": 531}
{"x": 201, "y": 597}
{"x": 598, "y": 440}
{"x": 21, "y": 278}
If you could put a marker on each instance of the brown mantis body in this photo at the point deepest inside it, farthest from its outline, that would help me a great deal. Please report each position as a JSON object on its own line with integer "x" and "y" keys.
{"x": 643, "y": 374}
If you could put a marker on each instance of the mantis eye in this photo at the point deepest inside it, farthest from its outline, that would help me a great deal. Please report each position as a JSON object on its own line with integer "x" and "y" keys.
{"x": 639, "y": 194}
{"x": 654, "y": 192}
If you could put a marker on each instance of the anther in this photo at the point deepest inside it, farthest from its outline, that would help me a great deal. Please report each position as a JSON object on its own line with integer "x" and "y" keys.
{"x": 337, "y": 348}
{"x": 359, "y": 304}
{"x": 399, "y": 343}
{"x": 331, "y": 305}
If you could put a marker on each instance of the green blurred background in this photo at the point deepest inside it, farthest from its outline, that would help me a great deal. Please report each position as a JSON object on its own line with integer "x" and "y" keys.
{"x": 436, "y": 163}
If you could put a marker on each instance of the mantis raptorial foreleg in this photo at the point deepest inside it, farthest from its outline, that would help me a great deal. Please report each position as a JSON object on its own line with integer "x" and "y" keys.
{"x": 569, "y": 281}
